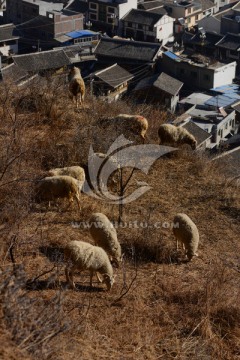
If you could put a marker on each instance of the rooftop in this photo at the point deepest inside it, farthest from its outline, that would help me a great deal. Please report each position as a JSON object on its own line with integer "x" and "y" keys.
{"x": 127, "y": 50}
{"x": 230, "y": 41}
{"x": 199, "y": 134}
{"x": 142, "y": 17}
{"x": 161, "y": 81}
{"x": 114, "y": 75}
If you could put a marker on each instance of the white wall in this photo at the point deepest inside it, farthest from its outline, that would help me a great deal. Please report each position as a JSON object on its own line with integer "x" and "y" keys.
{"x": 225, "y": 74}
{"x": 125, "y": 8}
{"x": 166, "y": 32}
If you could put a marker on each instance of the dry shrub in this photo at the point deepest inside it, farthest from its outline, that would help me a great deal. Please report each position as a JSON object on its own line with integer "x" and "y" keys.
{"x": 33, "y": 322}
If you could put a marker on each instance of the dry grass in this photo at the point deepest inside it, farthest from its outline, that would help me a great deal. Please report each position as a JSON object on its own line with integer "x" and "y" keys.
{"x": 160, "y": 307}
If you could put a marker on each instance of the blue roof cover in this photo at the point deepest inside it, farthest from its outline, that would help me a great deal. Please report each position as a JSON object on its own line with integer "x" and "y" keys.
{"x": 224, "y": 95}
{"x": 171, "y": 55}
{"x": 80, "y": 34}
{"x": 221, "y": 101}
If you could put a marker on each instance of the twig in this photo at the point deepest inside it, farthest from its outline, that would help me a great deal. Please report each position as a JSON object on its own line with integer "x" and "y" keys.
{"x": 29, "y": 282}
{"x": 125, "y": 292}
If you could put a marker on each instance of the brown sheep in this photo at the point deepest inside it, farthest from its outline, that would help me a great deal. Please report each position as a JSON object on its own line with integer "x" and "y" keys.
{"x": 76, "y": 85}
{"x": 136, "y": 124}
{"x": 175, "y": 136}
{"x": 53, "y": 187}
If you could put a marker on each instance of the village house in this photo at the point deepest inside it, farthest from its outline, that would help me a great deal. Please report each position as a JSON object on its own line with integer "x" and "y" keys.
{"x": 143, "y": 25}
{"x": 229, "y": 48}
{"x": 202, "y": 136}
{"x": 202, "y": 42}
{"x": 41, "y": 22}
{"x": 207, "y": 75}
{"x": 110, "y": 83}
{"x": 159, "y": 89}
{"x": 190, "y": 11}
{"x": 106, "y": 15}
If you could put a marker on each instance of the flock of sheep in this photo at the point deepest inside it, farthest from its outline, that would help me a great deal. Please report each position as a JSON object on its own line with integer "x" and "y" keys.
{"x": 68, "y": 182}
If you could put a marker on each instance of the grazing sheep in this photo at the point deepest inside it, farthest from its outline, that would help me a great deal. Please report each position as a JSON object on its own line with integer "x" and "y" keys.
{"x": 85, "y": 256}
{"x": 134, "y": 123}
{"x": 105, "y": 235}
{"x": 52, "y": 187}
{"x": 77, "y": 172}
{"x": 76, "y": 85}
{"x": 187, "y": 233}
{"x": 176, "y": 135}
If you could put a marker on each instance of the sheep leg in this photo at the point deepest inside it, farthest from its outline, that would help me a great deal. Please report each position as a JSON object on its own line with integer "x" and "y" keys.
{"x": 69, "y": 276}
{"x": 99, "y": 277}
{"x": 91, "y": 277}
{"x": 78, "y": 202}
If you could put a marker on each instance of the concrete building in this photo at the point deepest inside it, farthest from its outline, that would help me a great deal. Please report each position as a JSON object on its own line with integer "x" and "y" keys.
{"x": 105, "y": 15}
{"x": 198, "y": 75}
{"x": 143, "y": 25}
{"x": 190, "y": 11}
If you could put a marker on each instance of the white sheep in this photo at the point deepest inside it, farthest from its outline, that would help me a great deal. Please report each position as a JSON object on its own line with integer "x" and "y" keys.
{"x": 187, "y": 233}
{"x": 176, "y": 135}
{"x": 77, "y": 172}
{"x": 85, "y": 256}
{"x": 76, "y": 85}
{"x": 124, "y": 122}
{"x": 53, "y": 187}
{"x": 104, "y": 234}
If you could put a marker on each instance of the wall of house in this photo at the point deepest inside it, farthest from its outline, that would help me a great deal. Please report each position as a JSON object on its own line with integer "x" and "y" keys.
{"x": 164, "y": 29}
{"x": 225, "y": 74}
{"x": 201, "y": 77}
{"x": 225, "y": 126}
{"x": 230, "y": 25}
{"x": 64, "y": 24}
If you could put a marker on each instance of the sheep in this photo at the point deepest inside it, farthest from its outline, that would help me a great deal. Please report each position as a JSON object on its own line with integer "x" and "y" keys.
{"x": 85, "y": 256}
{"x": 135, "y": 123}
{"x": 105, "y": 235}
{"x": 187, "y": 233}
{"x": 76, "y": 85}
{"x": 77, "y": 172}
{"x": 171, "y": 134}
{"x": 52, "y": 187}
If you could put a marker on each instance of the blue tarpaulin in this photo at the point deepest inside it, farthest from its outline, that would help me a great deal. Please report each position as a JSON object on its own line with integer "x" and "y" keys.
{"x": 81, "y": 34}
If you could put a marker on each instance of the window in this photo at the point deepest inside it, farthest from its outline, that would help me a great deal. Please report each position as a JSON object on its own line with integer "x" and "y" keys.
{"x": 93, "y": 16}
{"x": 140, "y": 26}
{"x": 193, "y": 74}
{"x": 189, "y": 10}
{"x": 129, "y": 24}
{"x": 111, "y": 10}
{"x": 226, "y": 125}
{"x": 92, "y": 6}
{"x": 206, "y": 77}
{"x": 196, "y": 17}
{"x": 150, "y": 28}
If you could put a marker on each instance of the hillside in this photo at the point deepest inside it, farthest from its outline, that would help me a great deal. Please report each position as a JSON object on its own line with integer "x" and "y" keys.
{"x": 160, "y": 307}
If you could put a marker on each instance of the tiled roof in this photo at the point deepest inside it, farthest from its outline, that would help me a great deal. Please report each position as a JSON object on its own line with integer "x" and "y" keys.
{"x": 230, "y": 41}
{"x": 199, "y": 134}
{"x": 8, "y": 32}
{"x": 114, "y": 75}
{"x": 142, "y": 17}
{"x": 127, "y": 50}
{"x": 13, "y": 73}
{"x": 149, "y": 5}
{"x": 163, "y": 82}
{"x": 44, "y": 60}
{"x": 210, "y": 38}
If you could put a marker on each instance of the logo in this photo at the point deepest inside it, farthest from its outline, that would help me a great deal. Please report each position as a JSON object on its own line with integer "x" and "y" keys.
{"x": 121, "y": 154}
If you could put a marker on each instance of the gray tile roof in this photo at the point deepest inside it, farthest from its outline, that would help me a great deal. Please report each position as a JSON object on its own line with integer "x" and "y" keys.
{"x": 13, "y": 73}
{"x": 163, "y": 82}
{"x": 149, "y": 5}
{"x": 127, "y": 50}
{"x": 44, "y": 60}
{"x": 8, "y": 32}
{"x": 230, "y": 41}
{"x": 199, "y": 134}
{"x": 114, "y": 75}
{"x": 142, "y": 17}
